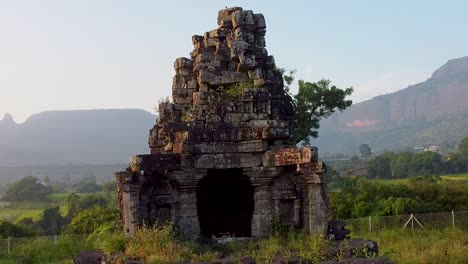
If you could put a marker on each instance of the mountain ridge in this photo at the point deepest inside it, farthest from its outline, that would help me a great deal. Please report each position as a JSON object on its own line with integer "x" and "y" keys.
{"x": 76, "y": 137}
{"x": 441, "y": 99}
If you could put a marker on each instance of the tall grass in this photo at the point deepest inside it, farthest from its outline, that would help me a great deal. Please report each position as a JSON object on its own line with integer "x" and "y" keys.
{"x": 160, "y": 245}
{"x": 43, "y": 250}
{"x": 423, "y": 247}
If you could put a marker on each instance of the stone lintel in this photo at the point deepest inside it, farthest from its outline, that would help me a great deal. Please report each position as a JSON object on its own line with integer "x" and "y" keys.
{"x": 284, "y": 157}
{"x": 226, "y": 147}
{"x": 228, "y": 160}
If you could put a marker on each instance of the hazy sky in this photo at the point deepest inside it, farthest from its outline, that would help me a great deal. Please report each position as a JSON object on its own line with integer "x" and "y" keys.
{"x": 91, "y": 54}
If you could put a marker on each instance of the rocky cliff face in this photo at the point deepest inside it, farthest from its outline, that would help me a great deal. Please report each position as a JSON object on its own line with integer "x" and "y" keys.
{"x": 443, "y": 95}
{"x": 433, "y": 112}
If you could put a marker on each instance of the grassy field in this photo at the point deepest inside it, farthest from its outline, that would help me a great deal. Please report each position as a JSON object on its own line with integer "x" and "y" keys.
{"x": 452, "y": 178}
{"x": 19, "y": 210}
{"x": 422, "y": 247}
{"x": 448, "y": 246}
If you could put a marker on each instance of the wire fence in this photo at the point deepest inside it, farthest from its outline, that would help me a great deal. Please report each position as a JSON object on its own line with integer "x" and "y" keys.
{"x": 431, "y": 221}
{"x": 358, "y": 226}
{"x": 17, "y": 245}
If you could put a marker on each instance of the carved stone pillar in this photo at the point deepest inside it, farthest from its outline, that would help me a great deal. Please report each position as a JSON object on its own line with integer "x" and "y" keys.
{"x": 263, "y": 210}
{"x": 316, "y": 217}
{"x": 187, "y": 223}
{"x": 187, "y": 214}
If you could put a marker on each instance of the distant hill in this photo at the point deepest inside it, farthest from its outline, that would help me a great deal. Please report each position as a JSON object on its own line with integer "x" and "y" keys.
{"x": 433, "y": 112}
{"x": 75, "y": 137}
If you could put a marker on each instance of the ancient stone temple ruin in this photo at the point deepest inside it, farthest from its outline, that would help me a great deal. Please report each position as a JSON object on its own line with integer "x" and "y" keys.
{"x": 222, "y": 161}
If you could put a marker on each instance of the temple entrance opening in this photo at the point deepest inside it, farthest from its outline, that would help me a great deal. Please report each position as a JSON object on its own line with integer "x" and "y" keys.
{"x": 225, "y": 203}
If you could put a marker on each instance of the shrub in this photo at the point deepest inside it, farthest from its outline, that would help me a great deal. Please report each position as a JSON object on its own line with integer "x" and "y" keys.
{"x": 157, "y": 244}
{"x": 8, "y": 229}
{"x": 27, "y": 189}
{"x": 43, "y": 250}
{"x": 107, "y": 238}
{"x": 89, "y": 220}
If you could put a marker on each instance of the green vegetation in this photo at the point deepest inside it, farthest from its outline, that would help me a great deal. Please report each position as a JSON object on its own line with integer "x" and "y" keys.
{"x": 315, "y": 101}
{"x": 235, "y": 91}
{"x": 60, "y": 213}
{"x": 89, "y": 220}
{"x": 422, "y": 247}
{"x": 365, "y": 151}
{"x": 96, "y": 216}
{"x": 20, "y": 210}
{"x": 27, "y": 189}
{"x": 160, "y": 245}
{"x": 402, "y": 165}
{"x": 43, "y": 250}
{"x": 8, "y": 229}
{"x": 421, "y": 194}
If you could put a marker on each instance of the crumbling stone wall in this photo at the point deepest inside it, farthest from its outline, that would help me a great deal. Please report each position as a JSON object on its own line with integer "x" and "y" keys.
{"x": 229, "y": 110}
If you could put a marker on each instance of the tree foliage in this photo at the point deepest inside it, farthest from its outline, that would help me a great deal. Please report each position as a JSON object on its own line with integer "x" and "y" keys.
{"x": 406, "y": 164}
{"x": 365, "y": 151}
{"x": 51, "y": 222}
{"x": 27, "y": 189}
{"x": 315, "y": 101}
{"x": 463, "y": 147}
{"x": 89, "y": 220}
{"x": 422, "y": 194}
{"x": 8, "y": 229}
{"x": 380, "y": 166}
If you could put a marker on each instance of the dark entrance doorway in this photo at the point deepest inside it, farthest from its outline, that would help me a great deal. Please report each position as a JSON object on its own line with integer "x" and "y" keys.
{"x": 225, "y": 203}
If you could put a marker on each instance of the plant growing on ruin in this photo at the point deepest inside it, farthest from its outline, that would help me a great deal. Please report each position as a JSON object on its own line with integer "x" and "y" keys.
{"x": 235, "y": 90}
{"x": 185, "y": 115}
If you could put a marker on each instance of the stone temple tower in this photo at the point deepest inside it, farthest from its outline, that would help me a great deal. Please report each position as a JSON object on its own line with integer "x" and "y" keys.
{"x": 222, "y": 161}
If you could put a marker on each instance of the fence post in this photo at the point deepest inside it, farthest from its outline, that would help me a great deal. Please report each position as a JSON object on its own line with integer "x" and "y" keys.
{"x": 8, "y": 246}
{"x": 453, "y": 219}
{"x": 370, "y": 224}
{"x": 412, "y": 222}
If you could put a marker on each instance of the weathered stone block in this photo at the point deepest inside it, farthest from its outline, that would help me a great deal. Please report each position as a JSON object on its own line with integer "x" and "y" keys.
{"x": 159, "y": 162}
{"x": 182, "y": 92}
{"x": 237, "y": 160}
{"x": 226, "y": 147}
{"x": 211, "y": 42}
{"x": 226, "y": 77}
{"x": 225, "y": 14}
{"x": 246, "y": 62}
{"x": 244, "y": 117}
{"x": 183, "y": 63}
{"x": 181, "y": 100}
{"x": 204, "y": 161}
{"x": 286, "y": 157}
{"x": 187, "y": 161}
{"x": 238, "y": 48}
{"x": 260, "y": 21}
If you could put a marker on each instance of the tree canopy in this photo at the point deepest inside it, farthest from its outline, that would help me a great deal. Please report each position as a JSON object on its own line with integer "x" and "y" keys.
{"x": 365, "y": 151}
{"x": 463, "y": 147}
{"x": 314, "y": 101}
{"x": 27, "y": 189}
